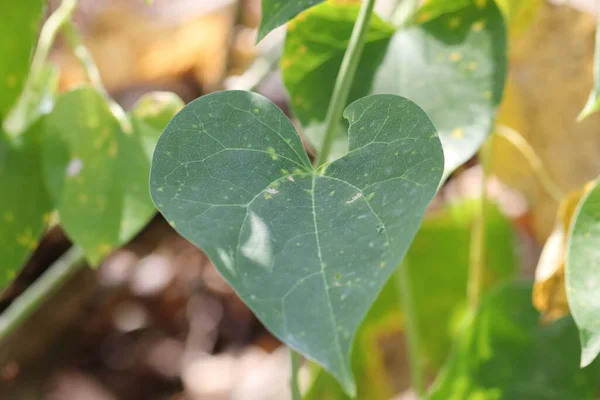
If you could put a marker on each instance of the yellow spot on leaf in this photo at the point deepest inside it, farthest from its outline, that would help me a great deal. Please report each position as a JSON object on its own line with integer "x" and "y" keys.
{"x": 487, "y": 94}
{"x": 11, "y": 81}
{"x": 286, "y": 63}
{"x": 113, "y": 149}
{"x": 457, "y": 133}
{"x": 272, "y": 152}
{"x": 47, "y": 218}
{"x": 424, "y": 16}
{"x": 103, "y": 249}
{"x": 455, "y": 56}
{"x": 9, "y": 216}
{"x": 480, "y": 3}
{"x": 26, "y": 239}
{"x": 454, "y": 22}
{"x": 472, "y": 66}
{"x": 478, "y": 26}
{"x": 83, "y": 199}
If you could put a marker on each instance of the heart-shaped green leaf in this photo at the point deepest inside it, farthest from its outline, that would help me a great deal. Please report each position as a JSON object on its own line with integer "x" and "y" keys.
{"x": 451, "y": 61}
{"x": 506, "y": 354}
{"x": 23, "y": 201}
{"x": 18, "y": 31}
{"x": 443, "y": 272}
{"x": 583, "y": 272}
{"x": 96, "y": 174}
{"x": 307, "y": 250}
{"x": 277, "y": 12}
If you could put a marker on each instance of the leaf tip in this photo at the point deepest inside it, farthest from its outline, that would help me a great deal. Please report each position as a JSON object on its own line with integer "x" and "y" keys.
{"x": 590, "y": 347}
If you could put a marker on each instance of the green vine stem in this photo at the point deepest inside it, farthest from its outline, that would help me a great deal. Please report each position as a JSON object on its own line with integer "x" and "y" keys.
{"x": 411, "y": 330}
{"x": 533, "y": 159}
{"x": 28, "y": 302}
{"x": 87, "y": 61}
{"x": 343, "y": 82}
{"x": 478, "y": 243}
{"x": 14, "y": 125}
{"x": 295, "y": 360}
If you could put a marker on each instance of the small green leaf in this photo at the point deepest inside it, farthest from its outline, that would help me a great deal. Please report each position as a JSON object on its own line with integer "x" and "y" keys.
{"x": 443, "y": 272}
{"x": 506, "y": 354}
{"x": 277, "y": 12}
{"x": 23, "y": 201}
{"x": 593, "y": 103}
{"x": 307, "y": 250}
{"x": 582, "y": 273}
{"x": 18, "y": 31}
{"x": 96, "y": 174}
{"x": 451, "y": 61}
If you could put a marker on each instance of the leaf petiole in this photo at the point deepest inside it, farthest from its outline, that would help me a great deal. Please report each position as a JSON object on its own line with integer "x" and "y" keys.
{"x": 343, "y": 83}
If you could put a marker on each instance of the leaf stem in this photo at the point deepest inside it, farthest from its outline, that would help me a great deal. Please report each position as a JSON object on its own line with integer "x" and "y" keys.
{"x": 478, "y": 233}
{"x": 343, "y": 82}
{"x": 295, "y": 359}
{"x": 87, "y": 61}
{"x": 13, "y": 125}
{"x": 411, "y": 329}
{"x": 532, "y": 158}
{"x": 28, "y": 302}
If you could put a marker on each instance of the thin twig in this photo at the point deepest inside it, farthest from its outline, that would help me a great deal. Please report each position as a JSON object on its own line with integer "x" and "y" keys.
{"x": 536, "y": 163}
{"x": 87, "y": 61}
{"x": 28, "y": 302}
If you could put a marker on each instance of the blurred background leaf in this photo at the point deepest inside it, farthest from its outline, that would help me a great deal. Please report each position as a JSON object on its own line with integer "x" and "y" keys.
{"x": 506, "y": 354}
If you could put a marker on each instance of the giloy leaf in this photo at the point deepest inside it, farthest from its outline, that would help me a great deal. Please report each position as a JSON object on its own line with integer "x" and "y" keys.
{"x": 582, "y": 272}
{"x": 277, "y": 12}
{"x": 307, "y": 250}
{"x": 96, "y": 174}
{"x": 451, "y": 61}
{"x": 379, "y": 348}
{"x": 506, "y": 354}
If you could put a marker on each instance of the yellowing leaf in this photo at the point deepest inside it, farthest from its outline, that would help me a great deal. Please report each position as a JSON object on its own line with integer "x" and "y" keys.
{"x": 549, "y": 292}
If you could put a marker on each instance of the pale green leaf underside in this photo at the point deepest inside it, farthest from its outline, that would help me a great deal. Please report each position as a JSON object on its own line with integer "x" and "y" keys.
{"x": 277, "y": 12}
{"x": 307, "y": 250}
{"x": 583, "y": 272}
